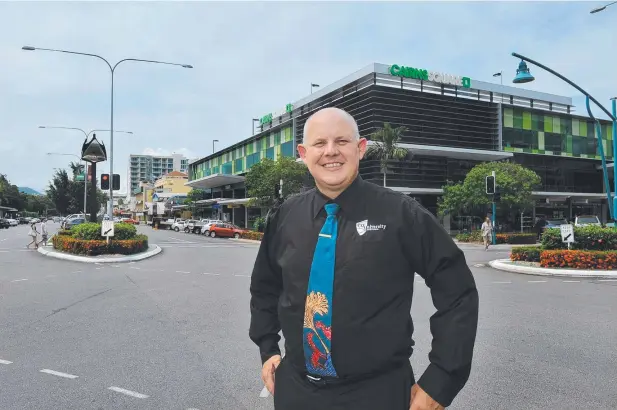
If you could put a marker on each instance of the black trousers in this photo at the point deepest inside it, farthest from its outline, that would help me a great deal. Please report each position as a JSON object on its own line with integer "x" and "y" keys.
{"x": 386, "y": 391}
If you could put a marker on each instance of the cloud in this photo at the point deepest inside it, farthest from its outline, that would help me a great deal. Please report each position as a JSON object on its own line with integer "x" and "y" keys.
{"x": 161, "y": 152}
{"x": 252, "y": 58}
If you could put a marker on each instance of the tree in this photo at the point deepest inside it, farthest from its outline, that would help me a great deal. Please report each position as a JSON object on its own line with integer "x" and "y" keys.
{"x": 264, "y": 176}
{"x": 195, "y": 195}
{"x": 67, "y": 195}
{"x": 514, "y": 182}
{"x": 386, "y": 147}
{"x": 76, "y": 168}
{"x": 10, "y": 195}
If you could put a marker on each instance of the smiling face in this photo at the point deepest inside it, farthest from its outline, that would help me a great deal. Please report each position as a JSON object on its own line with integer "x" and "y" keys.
{"x": 332, "y": 150}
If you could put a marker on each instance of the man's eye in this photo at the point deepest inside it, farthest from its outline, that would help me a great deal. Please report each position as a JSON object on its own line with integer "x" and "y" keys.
{"x": 343, "y": 142}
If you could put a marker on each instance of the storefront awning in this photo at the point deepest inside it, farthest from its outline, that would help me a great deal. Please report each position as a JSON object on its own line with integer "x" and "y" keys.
{"x": 561, "y": 196}
{"x": 455, "y": 153}
{"x": 214, "y": 181}
{"x": 417, "y": 191}
{"x": 236, "y": 201}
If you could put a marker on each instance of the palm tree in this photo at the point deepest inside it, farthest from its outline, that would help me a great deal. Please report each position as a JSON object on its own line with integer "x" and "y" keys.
{"x": 76, "y": 167}
{"x": 385, "y": 147}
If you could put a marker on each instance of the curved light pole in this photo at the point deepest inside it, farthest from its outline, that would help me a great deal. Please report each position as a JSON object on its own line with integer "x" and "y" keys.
{"x": 598, "y": 9}
{"x": 527, "y": 77}
{"x": 87, "y": 134}
{"x": 112, "y": 69}
{"x": 85, "y": 176}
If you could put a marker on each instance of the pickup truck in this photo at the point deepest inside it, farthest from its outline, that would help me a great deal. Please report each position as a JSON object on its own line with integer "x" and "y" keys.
{"x": 162, "y": 223}
{"x": 197, "y": 226}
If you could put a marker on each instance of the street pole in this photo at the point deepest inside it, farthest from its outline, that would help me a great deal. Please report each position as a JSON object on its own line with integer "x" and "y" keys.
{"x": 112, "y": 69}
{"x": 213, "y": 141}
{"x": 614, "y": 103}
{"x": 494, "y": 210}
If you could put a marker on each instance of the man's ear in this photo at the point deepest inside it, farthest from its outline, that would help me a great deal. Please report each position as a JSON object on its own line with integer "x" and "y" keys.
{"x": 362, "y": 146}
{"x": 302, "y": 151}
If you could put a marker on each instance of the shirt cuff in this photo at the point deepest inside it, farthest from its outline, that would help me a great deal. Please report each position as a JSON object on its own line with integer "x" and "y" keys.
{"x": 440, "y": 385}
{"x": 267, "y": 348}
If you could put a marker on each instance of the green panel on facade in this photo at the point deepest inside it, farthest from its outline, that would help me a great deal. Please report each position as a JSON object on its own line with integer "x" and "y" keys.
{"x": 575, "y": 127}
{"x": 556, "y": 125}
{"x": 582, "y": 127}
{"x": 508, "y": 118}
{"x": 541, "y": 140}
{"x": 548, "y": 123}
{"x": 569, "y": 143}
{"x": 526, "y": 120}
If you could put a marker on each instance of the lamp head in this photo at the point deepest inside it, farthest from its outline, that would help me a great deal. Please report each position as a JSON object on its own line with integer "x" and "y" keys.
{"x": 28, "y": 48}
{"x": 187, "y": 66}
{"x": 522, "y": 74}
{"x": 596, "y": 10}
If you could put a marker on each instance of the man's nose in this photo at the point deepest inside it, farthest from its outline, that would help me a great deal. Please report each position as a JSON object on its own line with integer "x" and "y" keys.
{"x": 331, "y": 149}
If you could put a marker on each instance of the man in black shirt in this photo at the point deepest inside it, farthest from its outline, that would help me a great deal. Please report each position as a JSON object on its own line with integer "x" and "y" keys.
{"x": 335, "y": 273}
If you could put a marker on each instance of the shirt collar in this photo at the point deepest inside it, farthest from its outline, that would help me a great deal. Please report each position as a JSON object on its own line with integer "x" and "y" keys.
{"x": 347, "y": 200}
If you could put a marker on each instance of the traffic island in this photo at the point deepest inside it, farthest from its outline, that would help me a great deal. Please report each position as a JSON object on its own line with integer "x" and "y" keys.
{"x": 589, "y": 251}
{"x": 100, "y": 243}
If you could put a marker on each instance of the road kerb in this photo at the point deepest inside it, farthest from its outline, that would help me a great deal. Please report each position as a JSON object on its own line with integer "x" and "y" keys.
{"x": 52, "y": 253}
{"x": 508, "y": 266}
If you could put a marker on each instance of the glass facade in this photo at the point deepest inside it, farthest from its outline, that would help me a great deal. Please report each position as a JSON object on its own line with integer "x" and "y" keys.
{"x": 241, "y": 159}
{"x": 538, "y": 132}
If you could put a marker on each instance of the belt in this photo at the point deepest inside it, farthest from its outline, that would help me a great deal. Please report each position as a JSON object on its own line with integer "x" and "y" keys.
{"x": 322, "y": 381}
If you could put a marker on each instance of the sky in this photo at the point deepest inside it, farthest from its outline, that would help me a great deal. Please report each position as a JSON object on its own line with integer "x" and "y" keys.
{"x": 252, "y": 58}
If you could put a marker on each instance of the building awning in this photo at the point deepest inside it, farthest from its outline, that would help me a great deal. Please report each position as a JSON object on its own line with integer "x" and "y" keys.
{"x": 205, "y": 201}
{"x": 234, "y": 201}
{"x": 418, "y": 191}
{"x": 562, "y": 196}
{"x": 214, "y": 181}
{"x": 455, "y": 153}
{"x": 7, "y": 209}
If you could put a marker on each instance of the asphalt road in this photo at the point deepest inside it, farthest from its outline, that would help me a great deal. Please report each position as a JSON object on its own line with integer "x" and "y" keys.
{"x": 170, "y": 332}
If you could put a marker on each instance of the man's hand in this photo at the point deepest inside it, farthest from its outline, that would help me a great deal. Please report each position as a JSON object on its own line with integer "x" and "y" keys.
{"x": 420, "y": 400}
{"x": 267, "y": 372}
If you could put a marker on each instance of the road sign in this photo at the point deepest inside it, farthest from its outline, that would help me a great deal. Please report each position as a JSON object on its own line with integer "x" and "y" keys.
{"x": 567, "y": 233}
{"x": 107, "y": 228}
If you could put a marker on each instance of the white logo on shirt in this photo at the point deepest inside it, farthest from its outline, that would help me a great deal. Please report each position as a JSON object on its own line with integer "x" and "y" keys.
{"x": 362, "y": 227}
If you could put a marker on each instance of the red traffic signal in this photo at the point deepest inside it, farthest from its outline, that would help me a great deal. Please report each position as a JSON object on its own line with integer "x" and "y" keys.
{"x": 105, "y": 182}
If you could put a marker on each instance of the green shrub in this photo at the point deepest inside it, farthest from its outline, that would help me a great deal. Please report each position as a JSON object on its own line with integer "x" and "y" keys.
{"x": 91, "y": 231}
{"x": 65, "y": 232}
{"x": 76, "y": 246}
{"x": 474, "y": 236}
{"x": 513, "y": 238}
{"x": 526, "y": 253}
{"x": 257, "y": 236}
{"x": 124, "y": 231}
{"x": 594, "y": 238}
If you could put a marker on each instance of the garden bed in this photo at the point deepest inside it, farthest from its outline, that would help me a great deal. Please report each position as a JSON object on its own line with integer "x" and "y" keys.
{"x": 86, "y": 239}
{"x": 511, "y": 238}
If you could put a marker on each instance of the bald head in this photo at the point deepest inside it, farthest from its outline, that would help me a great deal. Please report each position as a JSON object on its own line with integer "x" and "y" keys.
{"x": 331, "y": 114}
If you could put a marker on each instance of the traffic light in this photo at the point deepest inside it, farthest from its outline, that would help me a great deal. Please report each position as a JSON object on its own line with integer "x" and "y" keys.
{"x": 116, "y": 182}
{"x": 105, "y": 182}
{"x": 490, "y": 184}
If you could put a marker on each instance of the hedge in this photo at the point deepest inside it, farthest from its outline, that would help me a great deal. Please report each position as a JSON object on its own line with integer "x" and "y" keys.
{"x": 579, "y": 259}
{"x": 257, "y": 236}
{"x": 509, "y": 238}
{"x": 594, "y": 238}
{"x": 526, "y": 254}
{"x": 70, "y": 244}
{"x": 92, "y": 231}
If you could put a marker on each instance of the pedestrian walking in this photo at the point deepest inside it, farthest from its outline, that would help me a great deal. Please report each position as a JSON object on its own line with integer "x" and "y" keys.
{"x": 43, "y": 231}
{"x": 33, "y": 233}
{"x": 487, "y": 232}
{"x": 339, "y": 281}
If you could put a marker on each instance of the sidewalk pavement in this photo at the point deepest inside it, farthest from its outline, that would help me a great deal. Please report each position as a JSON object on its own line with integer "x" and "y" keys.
{"x": 52, "y": 253}
{"x": 509, "y": 266}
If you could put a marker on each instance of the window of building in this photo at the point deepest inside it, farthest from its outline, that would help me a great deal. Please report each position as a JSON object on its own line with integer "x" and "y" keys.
{"x": 554, "y": 142}
{"x": 537, "y": 122}
{"x": 270, "y": 153}
{"x": 240, "y": 165}
{"x": 517, "y": 118}
{"x": 227, "y": 168}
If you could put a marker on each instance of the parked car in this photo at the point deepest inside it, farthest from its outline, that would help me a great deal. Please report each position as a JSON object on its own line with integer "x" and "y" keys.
{"x": 129, "y": 221}
{"x": 4, "y": 224}
{"x": 585, "y": 220}
{"x": 205, "y": 228}
{"x": 74, "y": 222}
{"x": 225, "y": 230}
{"x": 12, "y": 222}
{"x": 178, "y": 225}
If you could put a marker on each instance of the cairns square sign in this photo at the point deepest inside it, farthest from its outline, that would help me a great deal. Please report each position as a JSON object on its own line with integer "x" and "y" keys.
{"x": 421, "y": 74}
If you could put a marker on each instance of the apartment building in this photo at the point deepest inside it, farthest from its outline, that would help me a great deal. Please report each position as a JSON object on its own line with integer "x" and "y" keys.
{"x": 150, "y": 168}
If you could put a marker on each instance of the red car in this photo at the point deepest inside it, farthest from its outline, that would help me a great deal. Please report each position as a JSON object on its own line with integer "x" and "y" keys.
{"x": 225, "y": 230}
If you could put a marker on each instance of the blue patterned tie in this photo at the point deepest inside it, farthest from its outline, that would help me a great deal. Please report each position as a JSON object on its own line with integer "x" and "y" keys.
{"x": 318, "y": 309}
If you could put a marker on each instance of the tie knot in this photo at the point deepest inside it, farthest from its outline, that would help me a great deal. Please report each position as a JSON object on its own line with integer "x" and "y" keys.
{"x": 332, "y": 209}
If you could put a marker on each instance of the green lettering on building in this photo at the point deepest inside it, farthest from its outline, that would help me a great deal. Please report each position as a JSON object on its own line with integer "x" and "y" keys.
{"x": 425, "y": 75}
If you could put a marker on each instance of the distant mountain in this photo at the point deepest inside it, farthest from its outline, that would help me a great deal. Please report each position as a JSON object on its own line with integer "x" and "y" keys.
{"x": 28, "y": 191}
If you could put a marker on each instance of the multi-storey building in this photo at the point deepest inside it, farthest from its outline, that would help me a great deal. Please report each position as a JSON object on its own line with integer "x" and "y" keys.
{"x": 150, "y": 168}
{"x": 453, "y": 123}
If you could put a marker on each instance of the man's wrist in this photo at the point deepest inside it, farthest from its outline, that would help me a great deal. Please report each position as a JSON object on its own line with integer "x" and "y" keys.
{"x": 440, "y": 385}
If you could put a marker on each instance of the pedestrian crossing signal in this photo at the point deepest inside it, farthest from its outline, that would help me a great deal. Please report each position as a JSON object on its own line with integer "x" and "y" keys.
{"x": 116, "y": 182}
{"x": 490, "y": 185}
{"x": 105, "y": 182}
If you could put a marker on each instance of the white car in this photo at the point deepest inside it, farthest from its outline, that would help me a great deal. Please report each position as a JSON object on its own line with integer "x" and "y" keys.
{"x": 13, "y": 222}
{"x": 178, "y": 225}
{"x": 585, "y": 220}
{"x": 205, "y": 230}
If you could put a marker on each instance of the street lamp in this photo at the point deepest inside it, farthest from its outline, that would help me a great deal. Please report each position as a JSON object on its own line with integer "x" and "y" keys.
{"x": 500, "y": 75}
{"x": 254, "y": 121}
{"x": 85, "y": 176}
{"x": 112, "y": 70}
{"x": 524, "y": 76}
{"x": 213, "y": 141}
{"x": 314, "y": 86}
{"x": 87, "y": 134}
{"x": 598, "y": 9}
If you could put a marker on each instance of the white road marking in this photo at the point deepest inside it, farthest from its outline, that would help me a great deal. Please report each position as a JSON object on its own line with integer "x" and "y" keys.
{"x": 60, "y": 374}
{"x": 5, "y": 251}
{"x": 243, "y": 276}
{"x": 77, "y": 271}
{"x": 128, "y": 392}
{"x": 182, "y": 271}
{"x": 536, "y": 281}
{"x": 264, "y": 392}
{"x": 132, "y": 267}
{"x": 18, "y": 280}
{"x": 213, "y": 274}
{"x": 607, "y": 280}
{"x": 5, "y": 362}
{"x": 571, "y": 281}
{"x": 505, "y": 282}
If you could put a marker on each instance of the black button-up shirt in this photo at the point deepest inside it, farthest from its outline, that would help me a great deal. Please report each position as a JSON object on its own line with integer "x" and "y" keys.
{"x": 383, "y": 238}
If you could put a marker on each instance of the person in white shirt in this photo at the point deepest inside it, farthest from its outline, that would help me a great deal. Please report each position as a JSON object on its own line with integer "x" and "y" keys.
{"x": 43, "y": 231}
{"x": 487, "y": 232}
{"x": 33, "y": 233}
